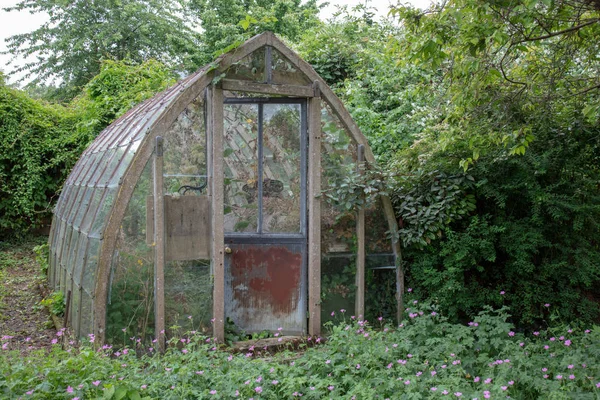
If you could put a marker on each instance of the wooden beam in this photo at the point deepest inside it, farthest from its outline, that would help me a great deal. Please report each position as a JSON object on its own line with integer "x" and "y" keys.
{"x": 159, "y": 246}
{"x": 314, "y": 216}
{"x": 360, "y": 245}
{"x": 215, "y": 108}
{"x": 273, "y": 89}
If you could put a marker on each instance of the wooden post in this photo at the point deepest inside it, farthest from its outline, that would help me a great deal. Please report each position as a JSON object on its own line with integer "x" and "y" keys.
{"x": 314, "y": 214}
{"x": 215, "y": 114}
{"x": 360, "y": 245}
{"x": 159, "y": 246}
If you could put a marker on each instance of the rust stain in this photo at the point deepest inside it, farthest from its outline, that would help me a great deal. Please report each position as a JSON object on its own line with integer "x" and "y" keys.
{"x": 266, "y": 278}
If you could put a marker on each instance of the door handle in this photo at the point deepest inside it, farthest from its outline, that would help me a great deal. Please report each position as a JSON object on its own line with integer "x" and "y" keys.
{"x": 227, "y": 250}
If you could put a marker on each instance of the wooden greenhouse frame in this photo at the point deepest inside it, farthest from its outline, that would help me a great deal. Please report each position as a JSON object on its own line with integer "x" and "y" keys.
{"x": 104, "y": 189}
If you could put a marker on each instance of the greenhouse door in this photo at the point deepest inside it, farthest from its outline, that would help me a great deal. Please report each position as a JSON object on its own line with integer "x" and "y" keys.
{"x": 264, "y": 169}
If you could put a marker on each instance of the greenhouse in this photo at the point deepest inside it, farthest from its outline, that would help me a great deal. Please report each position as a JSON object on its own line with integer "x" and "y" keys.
{"x": 202, "y": 209}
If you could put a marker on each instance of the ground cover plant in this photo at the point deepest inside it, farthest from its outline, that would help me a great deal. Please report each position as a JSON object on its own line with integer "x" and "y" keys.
{"x": 425, "y": 357}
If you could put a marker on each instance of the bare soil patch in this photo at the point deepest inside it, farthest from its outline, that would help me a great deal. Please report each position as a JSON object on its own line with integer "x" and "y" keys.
{"x": 22, "y": 317}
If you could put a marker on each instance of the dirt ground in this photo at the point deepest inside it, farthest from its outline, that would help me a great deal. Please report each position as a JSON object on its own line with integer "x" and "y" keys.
{"x": 21, "y": 286}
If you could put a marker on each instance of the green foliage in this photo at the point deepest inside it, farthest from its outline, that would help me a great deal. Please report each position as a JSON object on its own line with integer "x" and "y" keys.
{"x": 118, "y": 87}
{"x": 226, "y": 24}
{"x": 55, "y": 303}
{"x": 39, "y": 145}
{"x": 41, "y": 142}
{"x": 79, "y": 35}
{"x": 485, "y": 358}
{"x": 42, "y": 256}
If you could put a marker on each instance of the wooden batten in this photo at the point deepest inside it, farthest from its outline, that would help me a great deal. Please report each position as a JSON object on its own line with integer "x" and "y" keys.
{"x": 265, "y": 88}
{"x": 215, "y": 181}
{"x": 360, "y": 244}
{"x": 159, "y": 246}
{"x": 314, "y": 216}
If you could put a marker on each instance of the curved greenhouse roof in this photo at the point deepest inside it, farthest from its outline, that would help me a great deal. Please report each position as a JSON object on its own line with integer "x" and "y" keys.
{"x": 138, "y": 231}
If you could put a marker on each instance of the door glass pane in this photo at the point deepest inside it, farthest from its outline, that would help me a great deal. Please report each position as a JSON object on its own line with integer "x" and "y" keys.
{"x": 240, "y": 155}
{"x": 281, "y": 168}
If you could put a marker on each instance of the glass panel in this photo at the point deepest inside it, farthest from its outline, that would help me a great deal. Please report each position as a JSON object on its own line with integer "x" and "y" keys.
{"x": 64, "y": 246}
{"x": 338, "y": 223}
{"x": 74, "y": 206}
{"x": 281, "y": 168}
{"x": 249, "y": 68}
{"x": 91, "y": 266}
{"x": 241, "y": 167}
{"x": 100, "y": 167}
{"x": 86, "y": 314}
{"x": 188, "y": 297}
{"x": 87, "y": 169}
{"x": 75, "y": 304}
{"x": 93, "y": 208}
{"x": 83, "y": 206}
{"x": 72, "y": 251}
{"x": 62, "y": 200}
{"x": 80, "y": 259}
{"x": 113, "y": 179}
{"x": 131, "y": 295}
{"x": 185, "y": 151}
{"x": 103, "y": 213}
{"x": 284, "y": 72}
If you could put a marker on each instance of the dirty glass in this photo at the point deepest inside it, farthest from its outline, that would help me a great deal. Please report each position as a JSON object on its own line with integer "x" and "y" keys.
{"x": 338, "y": 223}
{"x": 249, "y": 68}
{"x": 130, "y": 309}
{"x": 281, "y": 168}
{"x": 240, "y": 156}
{"x": 284, "y": 72}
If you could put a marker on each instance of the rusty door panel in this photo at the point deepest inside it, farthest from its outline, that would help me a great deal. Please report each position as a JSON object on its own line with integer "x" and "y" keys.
{"x": 265, "y": 287}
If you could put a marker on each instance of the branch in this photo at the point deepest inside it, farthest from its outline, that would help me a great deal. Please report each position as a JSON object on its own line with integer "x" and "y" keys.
{"x": 504, "y": 73}
{"x": 571, "y": 29}
{"x": 584, "y": 91}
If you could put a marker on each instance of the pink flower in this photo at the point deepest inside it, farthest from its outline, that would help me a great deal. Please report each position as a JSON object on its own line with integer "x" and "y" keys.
{"x": 433, "y": 373}
{"x": 511, "y": 333}
{"x": 504, "y": 387}
{"x": 502, "y": 292}
{"x": 536, "y": 333}
{"x": 409, "y": 290}
{"x": 547, "y": 305}
{"x": 213, "y": 391}
{"x": 30, "y": 392}
{"x": 407, "y": 382}
{"x": 445, "y": 392}
{"x": 545, "y": 376}
{"x": 488, "y": 380}
{"x": 567, "y": 342}
{"x": 258, "y": 389}
{"x": 69, "y": 389}
{"x": 184, "y": 351}
{"x": 96, "y": 383}
{"x": 558, "y": 376}
{"x": 144, "y": 386}
{"x": 331, "y": 387}
{"x": 332, "y": 313}
{"x": 389, "y": 365}
{"x": 458, "y": 394}
{"x": 274, "y": 382}
{"x": 328, "y": 362}
{"x": 571, "y": 377}
{"x": 199, "y": 372}
{"x": 357, "y": 366}
{"x": 486, "y": 394}
{"x": 570, "y": 366}
{"x": 476, "y": 379}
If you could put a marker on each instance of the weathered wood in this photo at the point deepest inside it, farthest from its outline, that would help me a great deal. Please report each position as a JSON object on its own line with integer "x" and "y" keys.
{"x": 187, "y": 227}
{"x": 274, "y": 89}
{"x": 391, "y": 219}
{"x": 360, "y": 246}
{"x": 314, "y": 216}
{"x": 215, "y": 107}
{"x": 159, "y": 246}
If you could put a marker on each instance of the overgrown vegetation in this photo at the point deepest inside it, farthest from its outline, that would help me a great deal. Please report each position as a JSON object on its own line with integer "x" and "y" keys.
{"x": 485, "y": 116}
{"x": 426, "y": 356}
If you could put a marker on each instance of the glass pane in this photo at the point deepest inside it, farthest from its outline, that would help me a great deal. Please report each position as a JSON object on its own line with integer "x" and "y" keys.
{"x": 241, "y": 167}
{"x": 91, "y": 266}
{"x": 98, "y": 171}
{"x": 281, "y": 168}
{"x": 338, "y": 223}
{"x": 83, "y": 206}
{"x": 72, "y": 251}
{"x": 188, "y": 297}
{"x": 75, "y": 304}
{"x": 113, "y": 179}
{"x": 91, "y": 212}
{"x": 185, "y": 151}
{"x": 249, "y": 68}
{"x": 103, "y": 213}
{"x": 284, "y": 72}
{"x": 131, "y": 294}
{"x": 86, "y": 314}
{"x": 80, "y": 259}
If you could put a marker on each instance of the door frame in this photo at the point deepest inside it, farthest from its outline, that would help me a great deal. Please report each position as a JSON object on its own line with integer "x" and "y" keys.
{"x": 310, "y": 223}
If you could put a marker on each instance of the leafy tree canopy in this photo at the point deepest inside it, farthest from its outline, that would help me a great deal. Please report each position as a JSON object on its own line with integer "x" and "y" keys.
{"x": 79, "y": 34}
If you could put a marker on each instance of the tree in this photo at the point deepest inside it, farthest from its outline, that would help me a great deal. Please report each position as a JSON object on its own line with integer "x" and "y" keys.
{"x": 80, "y": 34}
{"x": 226, "y": 23}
